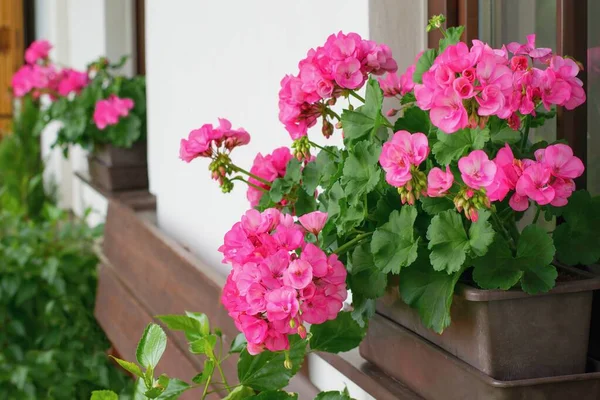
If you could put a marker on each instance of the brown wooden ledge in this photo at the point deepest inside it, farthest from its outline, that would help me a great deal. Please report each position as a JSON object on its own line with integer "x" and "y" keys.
{"x": 137, "y": 199}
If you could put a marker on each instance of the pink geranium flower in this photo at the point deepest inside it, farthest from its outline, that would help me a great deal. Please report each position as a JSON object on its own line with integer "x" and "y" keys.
{"x": 282, "y": 303}
{"x": 314, "y": 221}
{"x": 38, "y": 50}
{"x": 477, "y": 171}
{"x": 72, "y": 81}
{"x": 396, "y": 163}
{"x": 348, "y": 74}
{"x": 316, "y": 258}
{"x": 448, "y": 112}
{"x": 298, "y": 275}
{"x": 439, "y": 182}
{"x": 529, "y": 49}
{"x": 254, "y": 329}
{"x": 109, "y": 111}
{"x": 535, "y": 184}
{"x": 561, "y": 161}
{"x": 415, "y": 145}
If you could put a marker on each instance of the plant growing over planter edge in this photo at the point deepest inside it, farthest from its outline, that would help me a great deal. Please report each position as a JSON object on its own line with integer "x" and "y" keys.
{"x": 434, "y": 197}
{"x": 96, "y": 106}
{"x": 260, "y": 377}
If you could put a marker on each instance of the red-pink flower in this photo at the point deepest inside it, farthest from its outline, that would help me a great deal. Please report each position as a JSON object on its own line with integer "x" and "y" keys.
{"x": 463, "y": 87}
{"x": 316, "y": 258}
{"x": 529, "y": 48}
{"x": 72, "y": 81}
{"x": 255, "y": 329}
{"x": 269, "y": 168}
{"x": 198, "y": 144}
{"x": 38, "y": 50}
{"x": 314, "y": 221}
{"x": 477, "y": 171}
{"x": 492, "y": 102}
{"x": 298, "y": 275}
{"x": 396, "y": 163}
{"x": 535, "y": 184}
{"x": 348, "y": 74}
{"x": 415, "y": 145}
{"x": 448, "y": 112}
{"x": 109, "y": 111}
{"x": 518, "y": 202}
{"x": 439, "y": 182}
{"x": 563, "y": 188}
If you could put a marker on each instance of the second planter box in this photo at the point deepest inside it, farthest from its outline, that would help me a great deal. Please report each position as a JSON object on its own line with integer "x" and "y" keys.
{"x": 511, "y": 335}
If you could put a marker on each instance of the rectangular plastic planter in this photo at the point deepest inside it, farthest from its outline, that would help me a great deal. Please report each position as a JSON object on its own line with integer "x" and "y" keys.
{"x": 435, "y": 374}
{"x": 115, "y": 179}
{"x": 594, "y": 350}
{"x": 511, "y": 335}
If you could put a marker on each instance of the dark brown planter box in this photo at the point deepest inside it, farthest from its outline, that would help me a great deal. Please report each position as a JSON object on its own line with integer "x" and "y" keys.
{"x": 595, "y": 328}
{"x": 118, "y": 169}
{"x": 435, "y": 374}
{"x": 511, "y": 335}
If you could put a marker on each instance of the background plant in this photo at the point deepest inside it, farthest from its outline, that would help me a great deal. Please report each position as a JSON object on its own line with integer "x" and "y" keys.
{"x": 52, "y": 347}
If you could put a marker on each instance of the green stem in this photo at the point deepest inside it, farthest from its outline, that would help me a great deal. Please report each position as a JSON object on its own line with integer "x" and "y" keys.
{"x": 356, "y": 95}
{"x": 443, "y": 31}
{"x": 251, "y": 175}
{"x": 239, "y": 178}
{"x": 526, "y": 132}
{"x": 351, "y": 243}
{"x": 537, "y": 214}
{"x": 507, "y": 235}
{"x": 387, "y": 123}
{"x": 313, "y": 144}
{"x": 223, "y": 377}
{"x": 205, "y": 390}
{"x": 334, "y": 114}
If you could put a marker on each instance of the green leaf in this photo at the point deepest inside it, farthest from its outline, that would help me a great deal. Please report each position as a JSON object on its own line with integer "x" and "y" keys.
{"x": 202, "y": 320}
{"x": 498, "y": 269}
{"x": 452, "y": 37}
{"x": 129, "y": 367}
{"x": 275, "y": 395}
{"x": 429, "y": 292}
{"x": 104, "y": 395}
{"x": 424, "y": 64}
{"x": 356, "y": 125}
{"x": 338, "y": 335}
{"x": 330, "y": 166}
{"x": 370, "y": 283}
{"x": 265, "y": 371}
{"x": 506, "y": 135}
{"x": 154, "y": 392}
{"x": 151, "y": 346}
{"x": 481, "y": 234}
{"x": 333, "y": 395}
{"x": 361, "y": 260}
{"x": 393, "y": 244}
{"x": 311, "y": 176}
{"x": 192, "y": 327}
{"x": 238, "y": 344}
{"x": 413, "y": 120}
{"x": 293, "y": 172}
{"x": 361, "y": 170}
{"x": 451, "y": 147}
{"x": 435, "y": 205}
{"x": 577, "y": 240}
{"x": 448, "y": 242}
{"x": 363, "y": 309}
{"x": 204, "y": 345}
{"x": 174, "y": 389}
{"x": 373, "y": 98}
{"x": 306, "y": 203}
{"x": 539, "y": 279}
{"x": 240, "y": 393}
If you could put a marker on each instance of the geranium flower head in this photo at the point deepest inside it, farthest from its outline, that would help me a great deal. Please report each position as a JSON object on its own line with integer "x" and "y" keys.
{"x": 477, "y": 171}
{"x": 439, "y": 182}
{"x": 38, "y": 50}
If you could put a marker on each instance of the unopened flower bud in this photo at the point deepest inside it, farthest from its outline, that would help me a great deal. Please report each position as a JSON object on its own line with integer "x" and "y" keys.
{"x": 292, "y": 323}
{"x": 338, "y": 125}
{"x": 327, "y": 128}
{"x": 391, "y": 112}
{"x": 332, "y": 101}
{"x": 350, "y": 107}
{"x": 473, "y": 215}
{"x": 302, "y": 331}
{"x": 410, "y": 198}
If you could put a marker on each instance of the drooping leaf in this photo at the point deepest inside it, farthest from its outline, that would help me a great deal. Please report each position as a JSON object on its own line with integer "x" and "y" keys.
{"x": 151, "y": 346}
{"x": 481, "y": 234}
{"x": 394, "y": 244}
{"x": 498, "y": 269}
{"x": 204, "y": 345}
{"x": 435, "y": 205}
{"x": 338, "y": 335}
{"x": 451, "y": 147}
{"x": 192, "y": 327}
{"x": 129, "y": 367}
{"x": 429, "y": 292}
{"x": 266, "y": 371}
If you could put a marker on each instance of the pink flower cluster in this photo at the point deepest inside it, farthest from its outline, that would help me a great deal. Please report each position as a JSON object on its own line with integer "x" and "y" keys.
{"x": 109, "y": 111}
{"x": 400, "y": 154}
{"x": 343, "y": 62}
{"x": 271, "y": 290}
{"x": 269, "y": 168}
{"x": 39, "y": 76}
{"x": 205, "y": 141}
{"x": 465, "y": 86}
{"x": 546, "y": 180}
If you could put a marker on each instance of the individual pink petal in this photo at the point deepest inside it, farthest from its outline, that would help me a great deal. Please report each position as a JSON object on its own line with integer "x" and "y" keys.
{"x": 314, "y": 221}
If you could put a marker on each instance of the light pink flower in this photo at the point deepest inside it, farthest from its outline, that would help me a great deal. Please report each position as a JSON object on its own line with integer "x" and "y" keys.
{"x": 282, "y": 303}
{"x": 38, "y": 50}
{"x": 439, "y": 182}
{"x": 316, "y": 258}
{"x": 529, "y": 48}
{"x": 396, "y": 163}
{"x": 298, "y": 275}
{"x": 448, "y": 112}
{"x": 561, "y": 161}
{"x": 563, "y": 188}
{"x": 492, "y": 102}
{"x": 457, "y": 57}
{"x": 554, "y": 90}
{"x": 477, "y": 171}
{"x": 463, "y": 87}
{"x": 415, "y": 145}
{"x": 390, "y": 84}
{"x": 535, "y": 184}
{"x": 198, "y": 143}
{"x": 272, "y": 269}
{"x": 314, "y": 221}
{"x": 109, "y": 111}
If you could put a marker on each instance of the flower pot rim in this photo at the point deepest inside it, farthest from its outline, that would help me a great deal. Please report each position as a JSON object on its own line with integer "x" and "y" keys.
{"x": 588, "y": 282}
